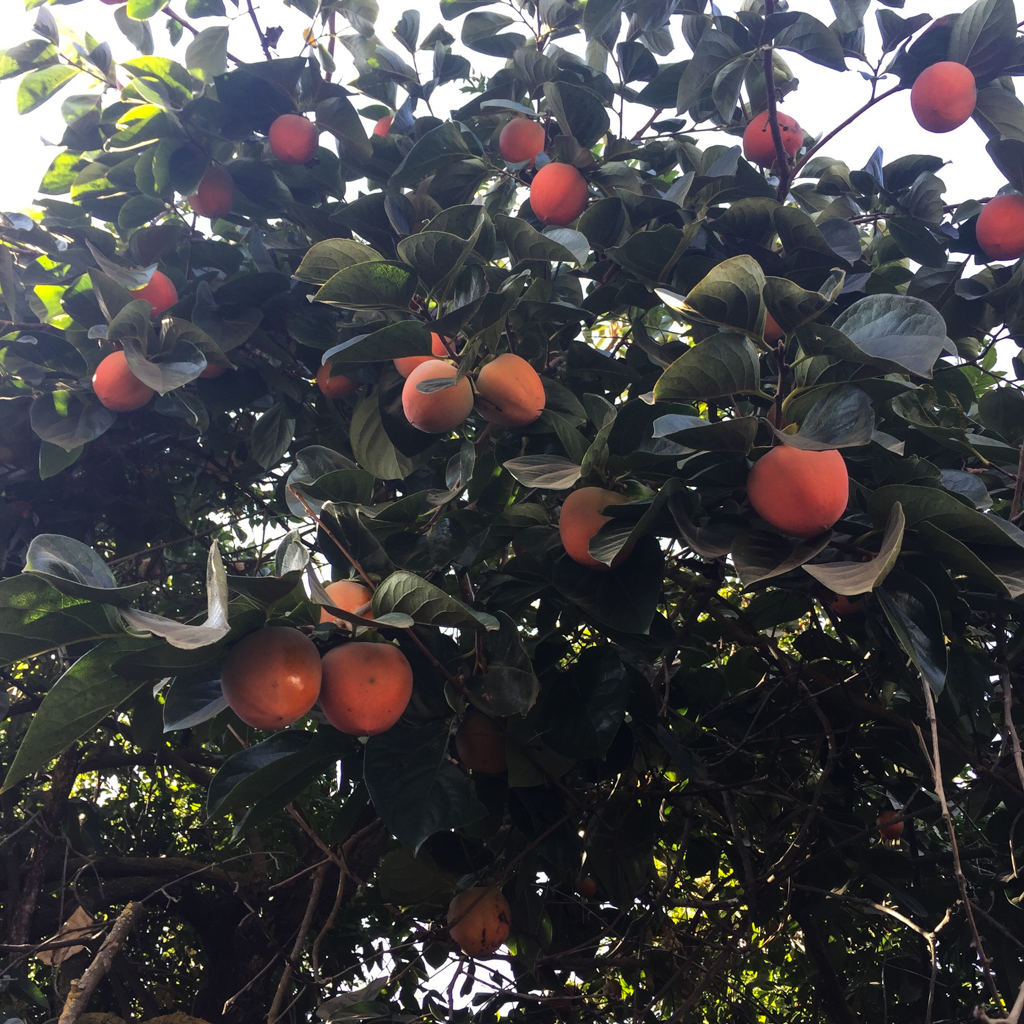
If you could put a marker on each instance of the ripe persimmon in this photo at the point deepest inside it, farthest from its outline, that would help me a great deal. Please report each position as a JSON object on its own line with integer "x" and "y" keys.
{"x": 943, "y": 96}
{"x": 581, "y": 518}
{"x": 588, "y": 888}
{"x": 521, "y": 140}
{"x": 558, "y": 194}
{"x": 271, "y": 678}
{"x": 510, "y": 392}
{"x": 366, "y": 687}
{"x": 758, "y": 144}
{"x": 160, "y": 293}
{"x": 888, "y": 827}
{"x": 215, "y": 194}
{"x": 842, "y": 605}
{"x": 350, "y": 597}
{"x": 293, "y": 139}
{"x": 212, "y": 370}
{"x": 334, "y": 385}
{"x": 479, "y": 920}
{"x": 772, "y": 331}
{"x": 481, "y": 743}
{"x": 1000, "y": 227}
{"x": 436, "y": 412}
{"x": 383, "y": 126}
{"x": 406, "y": 364}
{"x": 799, "y": 492}
{"x": 117, "y": 387}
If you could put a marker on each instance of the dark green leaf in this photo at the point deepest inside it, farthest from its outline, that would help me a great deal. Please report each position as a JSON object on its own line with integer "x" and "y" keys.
{"x": 852, "y": 578}
{"x": 843, "y": 418}
{"x": 415, "y": 787}
{"x": 372, "y": 285}
{"x": 725, "y": 364}
{"x": 914, "y": 615}
{"x": 582, "y": 712}
{"x": 80, "y": 699}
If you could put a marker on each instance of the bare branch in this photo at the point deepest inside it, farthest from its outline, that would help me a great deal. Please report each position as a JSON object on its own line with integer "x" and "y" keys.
{"x": 82, "y": 988}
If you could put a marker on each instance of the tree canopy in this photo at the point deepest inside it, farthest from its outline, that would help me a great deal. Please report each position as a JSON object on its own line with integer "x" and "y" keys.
{"x": 674, "y": 466}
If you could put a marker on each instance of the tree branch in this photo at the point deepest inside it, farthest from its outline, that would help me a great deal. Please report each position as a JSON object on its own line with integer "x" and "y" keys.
{"x": 82, "y": 988}
{"x": 300, "y": 938}
{"x": 934, "y": 762}
{"x": 781, "y": 156}
{"x": 61, "y": 782}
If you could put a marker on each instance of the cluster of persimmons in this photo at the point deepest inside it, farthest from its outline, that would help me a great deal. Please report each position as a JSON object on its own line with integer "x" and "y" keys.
{"x": 273, "y": 677}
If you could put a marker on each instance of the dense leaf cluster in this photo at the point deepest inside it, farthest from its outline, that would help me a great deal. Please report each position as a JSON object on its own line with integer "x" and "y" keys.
{"x": 699, "y": 739}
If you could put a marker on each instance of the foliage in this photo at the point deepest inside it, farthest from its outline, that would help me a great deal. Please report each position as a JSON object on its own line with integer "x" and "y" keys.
{"x": 698, "y": 743}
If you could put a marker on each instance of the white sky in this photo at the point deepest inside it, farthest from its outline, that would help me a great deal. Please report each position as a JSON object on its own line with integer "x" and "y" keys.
{"x": 822, "y": 101}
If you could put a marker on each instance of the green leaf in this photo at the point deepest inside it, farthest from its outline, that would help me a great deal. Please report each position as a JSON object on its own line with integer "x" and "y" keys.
{"x": 189, "y": 636}
{"x": 793, "y": 306}
{"x": 549, "y": 472}
{"x": 371, "y": 445}
{"x": 246, "y": 776}
{"x": 652, "y": 255}
{"x": 372, "y": 285}
{"x": 35, "y": 618}
{"x": 80, "y": 699}
{"x": 204, "y": 8}
{"x": 431, "y": 152}
{"x": 207, "y": 54}
{"x": 843, "y": 418}
{"x": 852, "y": 578}
{"x": 624, "y": 598}
{"x": 395, "y": 341}
{"x": 193, "y": 699}
{"x": 142, "y": 10}
{"x": 600, "y": 16}
{"x": 406, "y": 880}
{"x": 983, "y": 37}
{"x": 814, "y": 41}
{"x": 69, "y": 420}
{"x": 525, "y": 242}
{"x": 946, "y": 512}
{"x": 896, "y": 328}
{"x": 38, "y": 86}
{"x": 167, "y": 370}
{"x": 436, "y": 256}
{"x": 271, "y": 435}
{"x": 583, "y": 711}
{"x": 138, "y": 33}
{"x": 77, "y": 570}
{"x": 579, "y": 111}
{"x": 337, "y": 116}
{"x": 324, "y": 259}
{"x": 509, "y": 686}
{"x": 725, "y": 364}
{"x": 730, "y": 435}
{"x": 411, "y": 595}
{"x": 914, "y": 615}
{"x": 729, "y": 296}
{"x": 758, "y": 555}
{"x": 415, "y": 787}
{"x": 53, "y": 459}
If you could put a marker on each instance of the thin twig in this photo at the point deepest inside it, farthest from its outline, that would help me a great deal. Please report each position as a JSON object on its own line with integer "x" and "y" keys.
{"x": 289, "y": 967}
{"x": 264, "y": 42}
{"x": 1015, "y": 507}
{"x": 934, "y": 763}
{"x": 825, "y": 139}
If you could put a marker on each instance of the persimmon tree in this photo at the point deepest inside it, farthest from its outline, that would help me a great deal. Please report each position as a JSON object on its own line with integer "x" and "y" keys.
{"x": 671, "y": 463}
